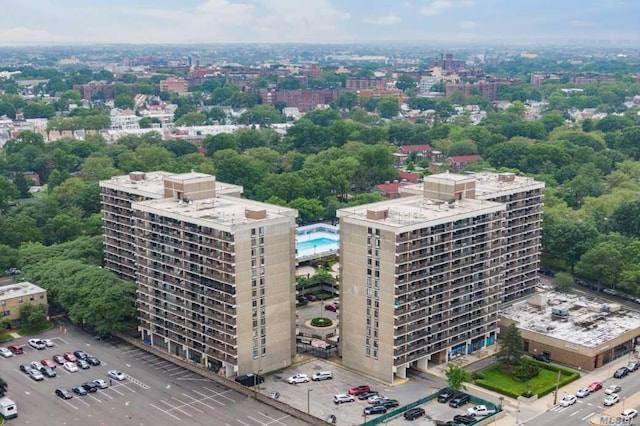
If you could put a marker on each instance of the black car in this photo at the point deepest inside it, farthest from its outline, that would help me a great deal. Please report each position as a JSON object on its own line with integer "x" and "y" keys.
{"x": 90, "y": 387}
{"x": 445, "y": 395}
{"x": 81, "y": 354}
{"x": 388, "y": 403}
{"x": 47, "y": 371}
{"x": 102, "y": 336}
{"x": 366, "y": 395}
{"x": 79, "y": 390}
{"x": 459, "y": 400}
{"x": 621, "y": 372}
{"x": 64, "y": 394}
{"x": 375, "y": 409}
{"x": 93, "y": 360}
{"x": 544, "y": 357}
{"x": 465, "y": 420}
{"x": 414, "y": 413}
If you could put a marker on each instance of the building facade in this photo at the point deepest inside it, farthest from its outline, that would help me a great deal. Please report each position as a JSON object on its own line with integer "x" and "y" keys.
{"x": 422, "y": 279}
{"x": 15, "y": 296}
{"x": 215, "y": 274}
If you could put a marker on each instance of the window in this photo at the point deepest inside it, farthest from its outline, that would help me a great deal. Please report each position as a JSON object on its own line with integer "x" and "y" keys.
{"x": 21, "y": 299}
{"x": 6, "y": 313}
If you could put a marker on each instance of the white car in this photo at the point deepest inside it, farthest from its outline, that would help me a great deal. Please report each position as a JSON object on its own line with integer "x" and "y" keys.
{"x": 612, "y": 389}
{"x": 611, "y": 399}
{"x": 5, "y": 353}
{"x": 339, "y": 399}
{"x": 582, "y": 392}
{"x": 374, "y": 399}
{"x": 568, "y": 400}
{"x": 48, "y": 343}
{"x": 480, "y": 411}
{"x": 628, "y": 414}
{"x": 298, "y": 378}
{"x": 102, "y": 384}
{"x": 115, "y": 374}
{"x": 71, "y": 367}
{"x": 37, "y": 344}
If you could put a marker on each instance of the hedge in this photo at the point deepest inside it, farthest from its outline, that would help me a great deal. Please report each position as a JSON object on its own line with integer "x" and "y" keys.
{"x": 498, "y": 389}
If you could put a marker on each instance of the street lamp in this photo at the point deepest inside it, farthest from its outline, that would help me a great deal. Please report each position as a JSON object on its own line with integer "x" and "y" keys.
{"x": 308, "y": 399}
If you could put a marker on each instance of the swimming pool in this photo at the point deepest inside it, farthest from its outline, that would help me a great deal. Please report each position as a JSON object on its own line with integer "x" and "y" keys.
{"x": 316, "y": 241}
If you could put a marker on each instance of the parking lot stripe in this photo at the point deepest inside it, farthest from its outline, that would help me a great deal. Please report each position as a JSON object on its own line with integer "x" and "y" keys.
{"x": 106, "y": 394}
{"x": 61, "y": 339}
{"x": 211, "y": 397}
{"x": 80, "y": 400}
{"x": 127, "y": 387}
{"x": 116, "y": 391}
{"x": 166, "y": 412}
{"x": 175, "y": 408}
{"x": 256, "y": 420}
{"x": 274, "y": 420}
{"x": 241, "y": 422}
{"x": 69, "y": 404}
{"x": 94, "y": 398}
{"x": 220, "y": 393}
{"x": 190, "y": 404}
{"x": 198, "y": 401}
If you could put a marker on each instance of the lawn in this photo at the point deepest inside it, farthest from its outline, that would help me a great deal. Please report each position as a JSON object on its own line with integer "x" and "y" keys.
{"x": 495, "y": 379}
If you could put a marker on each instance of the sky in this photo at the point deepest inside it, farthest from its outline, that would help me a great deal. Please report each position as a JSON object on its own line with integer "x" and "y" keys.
{"x": 316, "y": 21}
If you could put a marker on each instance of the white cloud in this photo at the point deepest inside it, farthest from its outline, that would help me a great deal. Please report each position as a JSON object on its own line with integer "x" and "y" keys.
{"x": 18, "y": 35}
{"x": 436, "y": 7}
{"x": 384, "y": 20}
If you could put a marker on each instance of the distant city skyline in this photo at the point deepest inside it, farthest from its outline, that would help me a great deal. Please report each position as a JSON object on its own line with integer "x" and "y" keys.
{"x": 317, "y": 21}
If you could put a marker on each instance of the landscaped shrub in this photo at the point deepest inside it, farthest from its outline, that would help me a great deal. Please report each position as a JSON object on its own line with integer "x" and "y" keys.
{"x": 477, "y": 375}
{"x": 525, "y": 371}
{"x": 321, "y": 322}
{"x": 491, "y": 387}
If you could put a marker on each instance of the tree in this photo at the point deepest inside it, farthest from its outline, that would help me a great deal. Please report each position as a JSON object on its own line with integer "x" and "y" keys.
{"x": 308, "y": 209}
{"x": 405, "y": 82}
{"x": 456, "y": 376}
{"x": 191, "y": 119}
{"x": 124, "y": 101}
{"x": 568, "y": 239}
{"x": 563, "y": 282}
{"x": 388, "y": 106}
{"x": 219, "y": 142}
{"x": 33, "y": 315}
{"x": 626, "y": 219}
{"x": 527, "y": 370}
{"x": 8, "y": 193}
{"x": 511, "y": 347}
{"x": 3, "y": 387}
{"x": 347, "y": 100}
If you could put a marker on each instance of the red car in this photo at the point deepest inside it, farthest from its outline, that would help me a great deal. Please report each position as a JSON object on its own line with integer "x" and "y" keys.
{"x": 595, "y": 386}
{"x": 16, "y": 349}
{"x": 70, "y": 357}
{"x": 359, "y": 390}
{"x": 332, "y": 308}
{"x": 48, "y": 363}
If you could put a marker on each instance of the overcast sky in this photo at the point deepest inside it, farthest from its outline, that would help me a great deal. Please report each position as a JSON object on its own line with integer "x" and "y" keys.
{"x": 316, "y": 21}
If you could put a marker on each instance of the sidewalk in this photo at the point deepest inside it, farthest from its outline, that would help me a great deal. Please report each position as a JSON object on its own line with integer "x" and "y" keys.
{"x": 519, "y": 412}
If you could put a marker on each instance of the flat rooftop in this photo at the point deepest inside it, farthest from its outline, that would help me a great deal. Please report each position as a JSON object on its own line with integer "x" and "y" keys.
{"x": 152, "y": 186}
{"x": 417, "y": 211}
{"x": 24, "y": 288}
{"x": 589, "y": 323}
{"x": 225, "y": 211}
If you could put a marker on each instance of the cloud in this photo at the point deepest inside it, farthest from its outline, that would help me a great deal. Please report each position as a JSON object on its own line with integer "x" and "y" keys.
{"x": 436, "y": 7}
{"x": 467, "y": 25}
{"x": 384, "y": 20}
{"x": 19, "y": 35}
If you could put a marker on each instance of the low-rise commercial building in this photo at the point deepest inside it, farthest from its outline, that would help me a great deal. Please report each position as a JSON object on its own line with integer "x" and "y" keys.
{"x": 14, "y": 296}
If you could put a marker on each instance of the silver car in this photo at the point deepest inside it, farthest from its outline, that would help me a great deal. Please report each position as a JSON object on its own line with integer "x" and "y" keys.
{"x": 5, "y": 353}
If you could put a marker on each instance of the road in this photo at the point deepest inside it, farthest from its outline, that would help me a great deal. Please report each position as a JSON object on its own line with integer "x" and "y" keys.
{"x": 585, "y": 408}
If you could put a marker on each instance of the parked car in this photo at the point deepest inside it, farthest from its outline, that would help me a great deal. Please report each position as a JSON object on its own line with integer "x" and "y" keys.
{"x": 389, "y": 403}
{"x": 544, "y": 357}
{"x": 298, "y": 378}
{"x": 621, "y": 372}
{"x": 373, "y": 399}
{"x": 5, "y": 352}
{"x": 102, "y": 384}
{"x": 35, "y": 375}
{"x": 375, "y": 409}
{"x": 367, "y": 395}
{"x": 339, "y": 399}
{"x": 464, "y": 419}
{"x": 70, "y": 357}
{"x": 82, "y": 364}
{"x": 414, "y": 413}
{"x": 79, "y": 390}
{"x": 35, "y": 365}
{"x": 117, "y": 375}
{"x": 459, "y": 400}
{"x": 480, "y": 411}
{"x": 610, "y": 292}
{"x": 311, "y": 298}
{"x": 49, "y": 372}
{"x": 37, "y": 344}
{"x": 331, "y": 307}
{"x": 16, "y": 349}
{"x": 612, "y": 389}
{"x": 359, "y": 390}
{"x": 611, "y": 400}
{"x": 628, "y": 414}
{"x": 25, "y": 368}
{"x": 103, "y": 335}
{"x": 59, "y": 359}
{"x": 48, "y": 343}
{"x": 92, "y": 360}
{"x": 594, "y": 387}
{"x": 322, "y": 375}
{"x": 63, "y": 393}
{"x": 48, "y": 363}
{"x": 568, "y": 400}
{"x": 70, "y": 367}
{"x": 80, "y": 354}
{"x": 633, "y": 366}
{"x": 90, "y": 387}
{"x": 445, "y": 395}
{"x": 582, "y": 392}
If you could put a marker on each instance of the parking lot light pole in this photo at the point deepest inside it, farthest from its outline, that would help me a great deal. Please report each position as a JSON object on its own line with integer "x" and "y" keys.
{"x": 308, "y": 399}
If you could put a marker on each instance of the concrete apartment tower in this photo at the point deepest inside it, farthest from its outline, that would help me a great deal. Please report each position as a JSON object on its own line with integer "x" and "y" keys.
{"x": 215, "y": 273}
{"x": 421, "y": 279}
{"x": 523, "y": 197}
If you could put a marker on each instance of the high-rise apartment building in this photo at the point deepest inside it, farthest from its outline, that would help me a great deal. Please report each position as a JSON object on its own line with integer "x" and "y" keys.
{"x": 523, "y": 197}
{"x": 215, "y": 273}
{"x": 421, "y": 278}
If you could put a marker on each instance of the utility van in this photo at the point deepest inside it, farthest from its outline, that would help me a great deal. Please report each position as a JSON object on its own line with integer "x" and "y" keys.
{"x": 8, "y": 408}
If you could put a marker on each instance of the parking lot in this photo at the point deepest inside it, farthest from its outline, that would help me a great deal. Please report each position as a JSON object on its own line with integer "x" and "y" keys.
{"x": 319, "y": 395}
{"x": 156, "y": 392}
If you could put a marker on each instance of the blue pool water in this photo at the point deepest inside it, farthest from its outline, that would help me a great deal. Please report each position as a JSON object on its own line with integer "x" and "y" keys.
{"x": 316, "y": 242}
